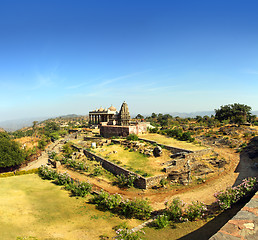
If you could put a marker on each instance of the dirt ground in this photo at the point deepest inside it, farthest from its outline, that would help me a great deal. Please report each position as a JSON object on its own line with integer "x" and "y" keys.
{"x": 28, "y": 142}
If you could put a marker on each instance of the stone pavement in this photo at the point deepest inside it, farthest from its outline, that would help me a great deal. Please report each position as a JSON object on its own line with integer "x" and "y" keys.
{"x": 244, "y": 225}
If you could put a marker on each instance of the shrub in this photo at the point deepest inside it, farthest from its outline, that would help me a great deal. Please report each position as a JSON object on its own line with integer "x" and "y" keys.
{"x": 231, "y": 195}
{"x": 126, "y": 234}
{"x": 137, "y": 208}
{"x": 162, "y": 221}
{"x": 97, "y": 171}
{"x": 47, "y": 173}
{"x": 63, "y": 179}
{"x": 106, "y": 201}
{"x": 79, "y": 188}
{"x": 75, "y": 164}
{"x": 11, "y": 153}
{"x": 174, "y": 210}
{"x": 132, "y": 137}
{"x": 195, "y": 210}
{"x": 163, "y": 182}
{"x": 126, "y": 181}
{"x": 153, "y": 130}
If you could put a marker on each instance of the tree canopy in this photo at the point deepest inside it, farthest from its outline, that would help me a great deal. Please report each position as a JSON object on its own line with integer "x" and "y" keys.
{"x": 10, "y": 153}
{"x": 234, "y": 113}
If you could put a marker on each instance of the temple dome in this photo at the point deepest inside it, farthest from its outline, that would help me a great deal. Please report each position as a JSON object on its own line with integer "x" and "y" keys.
{"x": 112, "y": 108}
{"x": 101, "y": 109}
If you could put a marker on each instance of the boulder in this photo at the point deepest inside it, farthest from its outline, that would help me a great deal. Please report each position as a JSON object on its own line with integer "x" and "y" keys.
{"x": 157, "y": 151}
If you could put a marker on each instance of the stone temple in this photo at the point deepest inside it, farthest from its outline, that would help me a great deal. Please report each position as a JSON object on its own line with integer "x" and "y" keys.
{"x": 114, "y": 123}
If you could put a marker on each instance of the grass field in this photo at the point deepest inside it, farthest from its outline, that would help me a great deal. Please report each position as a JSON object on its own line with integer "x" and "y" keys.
{"x": 133, "y": 161}
{"x": 32, "y": 207}
{"x": 172, "y": 142}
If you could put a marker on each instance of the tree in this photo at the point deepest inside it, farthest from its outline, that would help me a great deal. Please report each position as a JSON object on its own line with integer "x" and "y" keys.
{"x": 10, "y": 153}
{"x": 153, "y": 115}
{"x": 234, "y": 113}
{"x": 139, "y": 116}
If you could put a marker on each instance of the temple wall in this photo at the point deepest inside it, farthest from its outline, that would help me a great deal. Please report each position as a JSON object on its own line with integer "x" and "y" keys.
{"x": 109, "y": 130}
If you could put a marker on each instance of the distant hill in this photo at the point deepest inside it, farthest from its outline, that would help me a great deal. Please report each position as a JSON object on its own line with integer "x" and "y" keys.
{"x": 71, "y": 116}
{"x": 13, "y": 125}
{"x": 192, "y": 114}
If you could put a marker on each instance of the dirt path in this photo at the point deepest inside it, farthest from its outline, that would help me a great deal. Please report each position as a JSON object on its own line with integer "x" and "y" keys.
{"x": 43, "y": 159}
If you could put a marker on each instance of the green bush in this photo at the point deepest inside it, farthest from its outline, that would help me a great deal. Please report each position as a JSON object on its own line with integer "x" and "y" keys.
{"x": 126, "y": 181}
{"x": 10, "y": 152}
{"x": 137, "y": 208}
{"x": 132, "y": 137}
{"x": 162, "y": 221}
{"x": 63, "y": 179}
{"x": 174, "y": 210}
{"x": 7, "y": 174}
{"x": 106, "y": 201}
{"x": 195, "y": 210}
{"x": 47, "y": 173}
{"x": 79, "y": 188}
{"x": 163, "y": 182}
{"x": 232, "y": 195}
{"x": 127, "y": 234}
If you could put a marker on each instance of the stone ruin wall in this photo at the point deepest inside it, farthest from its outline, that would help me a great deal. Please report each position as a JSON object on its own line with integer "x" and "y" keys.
{"x": 141, "y": 182}
{"x": 110, "y": 131}
{"x": 170, "y": 148}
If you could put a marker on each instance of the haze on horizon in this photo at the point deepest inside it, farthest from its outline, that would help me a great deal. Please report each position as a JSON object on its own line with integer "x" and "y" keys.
{"x": 62, "y": 57}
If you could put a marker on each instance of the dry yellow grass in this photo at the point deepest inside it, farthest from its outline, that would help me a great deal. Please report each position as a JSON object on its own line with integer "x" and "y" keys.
{"x": 134, "y": 160}
{"x": 30, "y": 206}
{"x": 172, "y": 142}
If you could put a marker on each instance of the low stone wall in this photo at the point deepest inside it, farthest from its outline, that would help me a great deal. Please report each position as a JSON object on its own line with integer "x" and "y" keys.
{"x": 90, "y": 138}
{"x": 140, "y": 182}
{"x": 112, "y": 167}
{"x": 153, "y": 181}
{"x": 199, "y": 153}
{"x": 170, "y": 148}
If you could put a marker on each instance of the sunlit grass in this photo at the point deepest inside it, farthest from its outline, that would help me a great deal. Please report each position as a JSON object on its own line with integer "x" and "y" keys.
{"x": 30, "y": 206}
{"x": 172, "y": 142}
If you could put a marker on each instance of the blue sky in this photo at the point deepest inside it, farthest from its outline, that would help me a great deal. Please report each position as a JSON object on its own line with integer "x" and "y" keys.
{"x": 59, "y": 57}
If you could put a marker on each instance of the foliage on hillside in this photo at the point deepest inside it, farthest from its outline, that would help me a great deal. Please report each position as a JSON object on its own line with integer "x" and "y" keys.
{"x": 10, "y": 153}
{"x": 235, "y": 113}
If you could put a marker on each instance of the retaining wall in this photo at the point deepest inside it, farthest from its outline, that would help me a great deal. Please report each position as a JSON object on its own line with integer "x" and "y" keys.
{"x": 140, "y": 182}
{"x": 170, "y": 148}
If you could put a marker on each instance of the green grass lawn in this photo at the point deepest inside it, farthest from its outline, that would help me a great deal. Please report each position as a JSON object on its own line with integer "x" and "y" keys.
{"x": 172, "y": 142}
{"x": 32, "y": 207}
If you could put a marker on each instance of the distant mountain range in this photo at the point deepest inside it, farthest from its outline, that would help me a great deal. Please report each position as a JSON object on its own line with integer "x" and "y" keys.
{"x": 13, "y": 125}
